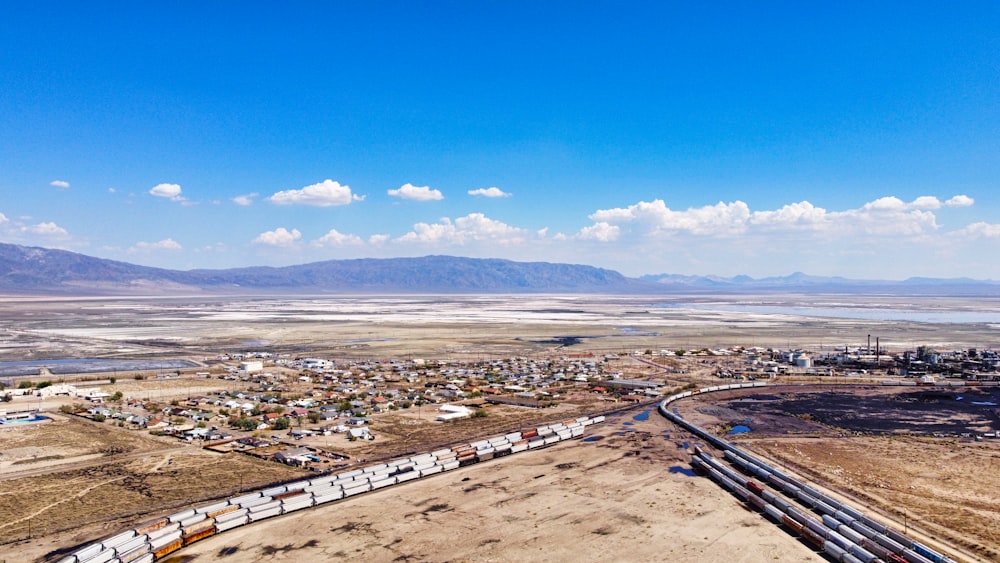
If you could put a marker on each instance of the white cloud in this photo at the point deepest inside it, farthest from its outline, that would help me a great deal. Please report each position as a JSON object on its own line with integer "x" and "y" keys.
{"x": 474, "y": 227}
{"x": 600, "y": 231}
{"x": 655, "y": 217}
{"x": 801, "y": 215}
{"x": 59, "y": 184}
{"x": 278, "y": 237}
{"x": 886, "y": 216}
{"x": 979, "y": 230}
{"x": 112, "y": 190}
{"x": 417, "y": 193}
{"x": 3, "y": 218}
{"x": 336, "y": 238}
{"x": 489, "y": 192}
{"x": 245, "y": 200}
{"x": 169, "y": 191}
{"x": 960, "y": 201}
{"x": 378, "y": 239}
{"x": 165, "y": 244}
{"x": 926, "y": 202}
{"x": 324, "y": 194}
{"x": 46, "y": 230}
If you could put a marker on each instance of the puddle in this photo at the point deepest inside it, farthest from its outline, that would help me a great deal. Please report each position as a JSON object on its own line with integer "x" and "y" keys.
{"x": 683, "y": 471}
{"x": 643, "y": 416}
{"x": 739, "y": 429}
{"x": 593, "y": 438}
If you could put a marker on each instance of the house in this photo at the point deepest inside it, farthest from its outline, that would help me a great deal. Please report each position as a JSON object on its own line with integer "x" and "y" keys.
{"x": 361, "y": 433}
{"x": 294, "y": 456}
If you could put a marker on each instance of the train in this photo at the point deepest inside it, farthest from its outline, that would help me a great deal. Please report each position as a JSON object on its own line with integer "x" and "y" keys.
{"x": 156, "y": 539}
{"x": 842, "y": 532}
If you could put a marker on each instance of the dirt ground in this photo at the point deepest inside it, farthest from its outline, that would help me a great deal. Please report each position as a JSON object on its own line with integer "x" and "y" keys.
{"x": 626, "y": 497}
{"x": 878, "y": 446}
{"x": 946, "y": 490}
{"x": 93, "y": 479}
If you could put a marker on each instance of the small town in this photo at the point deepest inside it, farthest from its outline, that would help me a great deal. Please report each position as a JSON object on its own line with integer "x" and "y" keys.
{"x": 312, "y": 412}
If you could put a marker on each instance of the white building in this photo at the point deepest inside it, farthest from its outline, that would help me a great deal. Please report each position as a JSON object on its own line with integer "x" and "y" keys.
{"x": 252, "y": 366}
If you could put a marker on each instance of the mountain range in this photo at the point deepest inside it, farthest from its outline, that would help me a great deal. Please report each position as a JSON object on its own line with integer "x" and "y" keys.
{"x": 34, "y": 270}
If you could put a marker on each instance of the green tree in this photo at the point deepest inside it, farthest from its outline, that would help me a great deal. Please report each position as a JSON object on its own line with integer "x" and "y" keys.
{"x": 246, "y": 423}
{"x": 99, "y": 418}
{"x": 281, "y": 423}
{"x": 117, "y": 396}
{"x": 313, "y": 417}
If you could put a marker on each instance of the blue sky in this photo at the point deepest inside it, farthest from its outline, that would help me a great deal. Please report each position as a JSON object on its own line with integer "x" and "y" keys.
{"x": 761, "y": 138}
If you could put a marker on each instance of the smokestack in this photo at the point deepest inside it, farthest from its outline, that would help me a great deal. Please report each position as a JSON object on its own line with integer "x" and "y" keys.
{"x": 877, "y": 352}
{"x": 869, "y": 344}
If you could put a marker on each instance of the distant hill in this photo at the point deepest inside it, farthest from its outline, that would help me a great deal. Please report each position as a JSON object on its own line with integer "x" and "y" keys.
{"x": 803, "y": 283}
{"x": 33, "y": 270}
{"x": 39, "y": 270}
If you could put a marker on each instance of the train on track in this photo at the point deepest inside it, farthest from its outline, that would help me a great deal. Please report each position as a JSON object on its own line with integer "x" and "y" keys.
{"x": 155, "y": 540}
{"x": 837, "y": 529}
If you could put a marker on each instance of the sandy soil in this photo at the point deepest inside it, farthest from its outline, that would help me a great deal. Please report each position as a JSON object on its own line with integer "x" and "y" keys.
{"x": 943, "y": 489}
{"x": 861, "y": 442}
{"x": 625, "y": 497}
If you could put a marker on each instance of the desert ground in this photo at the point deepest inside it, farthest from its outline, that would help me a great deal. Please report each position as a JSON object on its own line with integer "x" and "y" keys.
{"x": 628, "y": 496}
{"x": 627, "y": 493}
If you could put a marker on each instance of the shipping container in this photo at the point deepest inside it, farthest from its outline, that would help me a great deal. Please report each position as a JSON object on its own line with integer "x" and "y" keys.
{"x": 133, "y": 554}
{"x": 357, "y": 489}
{"x": 289, "y": 494}
{"x": 225, "y": 510}
{"x": 168, "y": 549}
{"x": 383, "y": 482}
{"x": 297, "y": 504}
{"x": 150, "y": 526}
{"x": 115, "y": 541}
{"x": 187, "y": 522}
{"x": 181, "y": 515}
{"x": 188, "y": 540}
{"x": 229, "y": 516}
{"x": 265, "y": 506}
{"x": 131, "y": 544}
{"x": 245, "y": 498}
{"x": 102, "y": 557}
{"x": 328, "y": 497}
{"x": 197, "y": 528}
{"x": 273, "y": 491}
{"x": 453, "y": 464}
{"x": 164, "y": 531}
{"x": 207, "y": 509}
{"x": 157, "y": 543}
{"x": 257, "y": 516}
{"x": 256, "y": 502}
{"x": 431, "y": 470}
{"x": 230, "y": 524}
{"x": 409, "y": 476}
